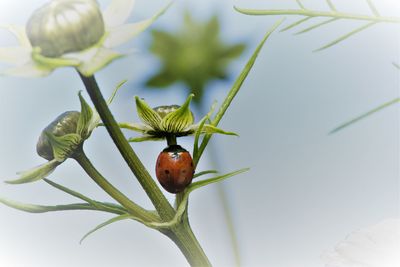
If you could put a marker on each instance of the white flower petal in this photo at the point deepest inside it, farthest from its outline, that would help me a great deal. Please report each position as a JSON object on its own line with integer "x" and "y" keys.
{"x": 30, "y": 69}
{"x": 117, "y": 12}
{"x": 121, "y": 34}
{"x": 83, "y": 56}
{"x": 102, "y": 58}
{"x": 16, "y": 55}
{"x": 20, "y": 33}
{"x": 374, "y": 246}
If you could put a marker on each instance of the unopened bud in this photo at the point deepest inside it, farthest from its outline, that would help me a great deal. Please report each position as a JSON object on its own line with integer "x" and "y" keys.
{"x": 64, "y": 26}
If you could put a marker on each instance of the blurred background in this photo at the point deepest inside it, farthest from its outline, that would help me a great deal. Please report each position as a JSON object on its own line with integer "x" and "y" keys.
{"x": 306, "y": 189}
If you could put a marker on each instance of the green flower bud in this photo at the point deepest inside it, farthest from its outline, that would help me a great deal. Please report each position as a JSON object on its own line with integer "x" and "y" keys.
{"x": 64, "y": 26}
{"x": 63, "y": 125}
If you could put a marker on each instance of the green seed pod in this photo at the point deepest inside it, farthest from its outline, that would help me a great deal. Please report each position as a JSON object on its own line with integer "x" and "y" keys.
{"x": 64, "y": 124}
{"x": 64, "y": 26}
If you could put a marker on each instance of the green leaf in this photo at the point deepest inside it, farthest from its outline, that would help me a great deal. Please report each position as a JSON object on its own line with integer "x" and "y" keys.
{"x": 183, "y": 203}
{"x": 85, "y": 117}
{"x": 141, "y": 128}
{"x": 236, "y": 87}
{"x": 180, "y": 119}
{"x": 63, "y": 146}
{"x": 144, "y": 138}
{"x": 331, "y": 5}
{"x": 36, "y": 173}
{"x": 344, "y": 37}
{"x": 108, "y": 222}
{"x": 200, "y": 126}
{"x": 147, "y": 114}
{"x": 95, "y": 121}
{"x": 114, "y": 208}
{"x": 42, "y": 209}
{"x": 199, "y": 184}
{"x": 114, "y": 93}
{"x": 196, "y": 175}
{"x": 296, "y": 23}
{"x": 373, "y": 8}
{"x": 317, "y": 25}
{"x": 379, "y": 108}
{"x": 210, "y": 129}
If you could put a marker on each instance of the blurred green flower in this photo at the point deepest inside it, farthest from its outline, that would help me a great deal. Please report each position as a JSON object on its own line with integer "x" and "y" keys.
{"x": 71, "y": 33}
{"x": 194, "y": 55}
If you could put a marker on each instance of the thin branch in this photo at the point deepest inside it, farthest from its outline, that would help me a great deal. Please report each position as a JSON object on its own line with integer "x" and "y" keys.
{"x": 316, "y": 13}
{"x": 331, "y": 5}
{"x": 317, "y": 25}
{"x": 344, "y": 37}
{"x": 296, "y": 23}
{"x": 300, "y": 4}
{"x": 381, "y": 107}
{"x": 373, "y": 8}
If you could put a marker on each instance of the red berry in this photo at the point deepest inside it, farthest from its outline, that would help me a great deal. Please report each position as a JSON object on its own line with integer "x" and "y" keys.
{"x": 174, "y": 169}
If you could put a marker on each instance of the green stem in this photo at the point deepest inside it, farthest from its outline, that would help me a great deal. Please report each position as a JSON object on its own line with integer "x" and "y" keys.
{"x": 132, "y": 207}
{"x": 163, "y": 207}
{"x": 313, "y": 13}
{"x": 171, "y": 140}
{"x": 183, "y": 237}
{"x": 181, "y": 234}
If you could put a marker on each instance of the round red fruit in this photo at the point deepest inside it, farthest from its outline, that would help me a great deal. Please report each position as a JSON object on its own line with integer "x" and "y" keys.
{"x": 174, "y": 168}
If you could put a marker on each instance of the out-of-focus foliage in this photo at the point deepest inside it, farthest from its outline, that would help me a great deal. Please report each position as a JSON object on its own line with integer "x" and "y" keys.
{"x": 193, "y": 55}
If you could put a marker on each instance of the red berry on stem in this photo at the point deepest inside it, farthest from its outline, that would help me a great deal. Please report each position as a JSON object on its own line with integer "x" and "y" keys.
{"x": 174, "y": 168}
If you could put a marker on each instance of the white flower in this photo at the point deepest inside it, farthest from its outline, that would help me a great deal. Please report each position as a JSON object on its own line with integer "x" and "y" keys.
{"x": 71, "y": 33}
{"x": 374, "y": 246}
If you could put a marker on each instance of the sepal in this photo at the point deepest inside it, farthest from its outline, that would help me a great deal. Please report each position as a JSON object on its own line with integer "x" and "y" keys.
{"x": 180, "y": 119}
{"x": 63, "y": 146}
{"x": 147, "y": 114}
{"x": 35, "y": 174}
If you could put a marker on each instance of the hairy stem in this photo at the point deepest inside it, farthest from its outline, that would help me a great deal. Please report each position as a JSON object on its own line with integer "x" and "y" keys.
{"x": 163, "y": 207}
{"x": 132, "y": 208}
{"x": 183, "y": 237}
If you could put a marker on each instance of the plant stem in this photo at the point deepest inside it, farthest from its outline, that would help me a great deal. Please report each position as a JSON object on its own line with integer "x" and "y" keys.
{"x": 171, "y": 140}
{"x": 132, "y": 208}
{"x": 181, "y": 234}
{"x": 313, "y": 13}
{"x": 183, "y": 237}
{"x": 163, "y": 207}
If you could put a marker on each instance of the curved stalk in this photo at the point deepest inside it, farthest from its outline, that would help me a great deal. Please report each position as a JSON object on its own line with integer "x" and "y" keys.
{"x": 163, "y": 207}
{"x": 132, "y": 207}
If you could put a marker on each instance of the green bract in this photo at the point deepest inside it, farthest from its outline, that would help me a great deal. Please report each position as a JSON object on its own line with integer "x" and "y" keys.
{"x": 71, "y": 33}
{"x": 167, "y": 121}
{"x": 60, "y": 140}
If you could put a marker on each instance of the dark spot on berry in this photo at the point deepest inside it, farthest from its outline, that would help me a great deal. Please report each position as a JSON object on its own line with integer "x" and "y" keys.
{"x": 166, "y": 171}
